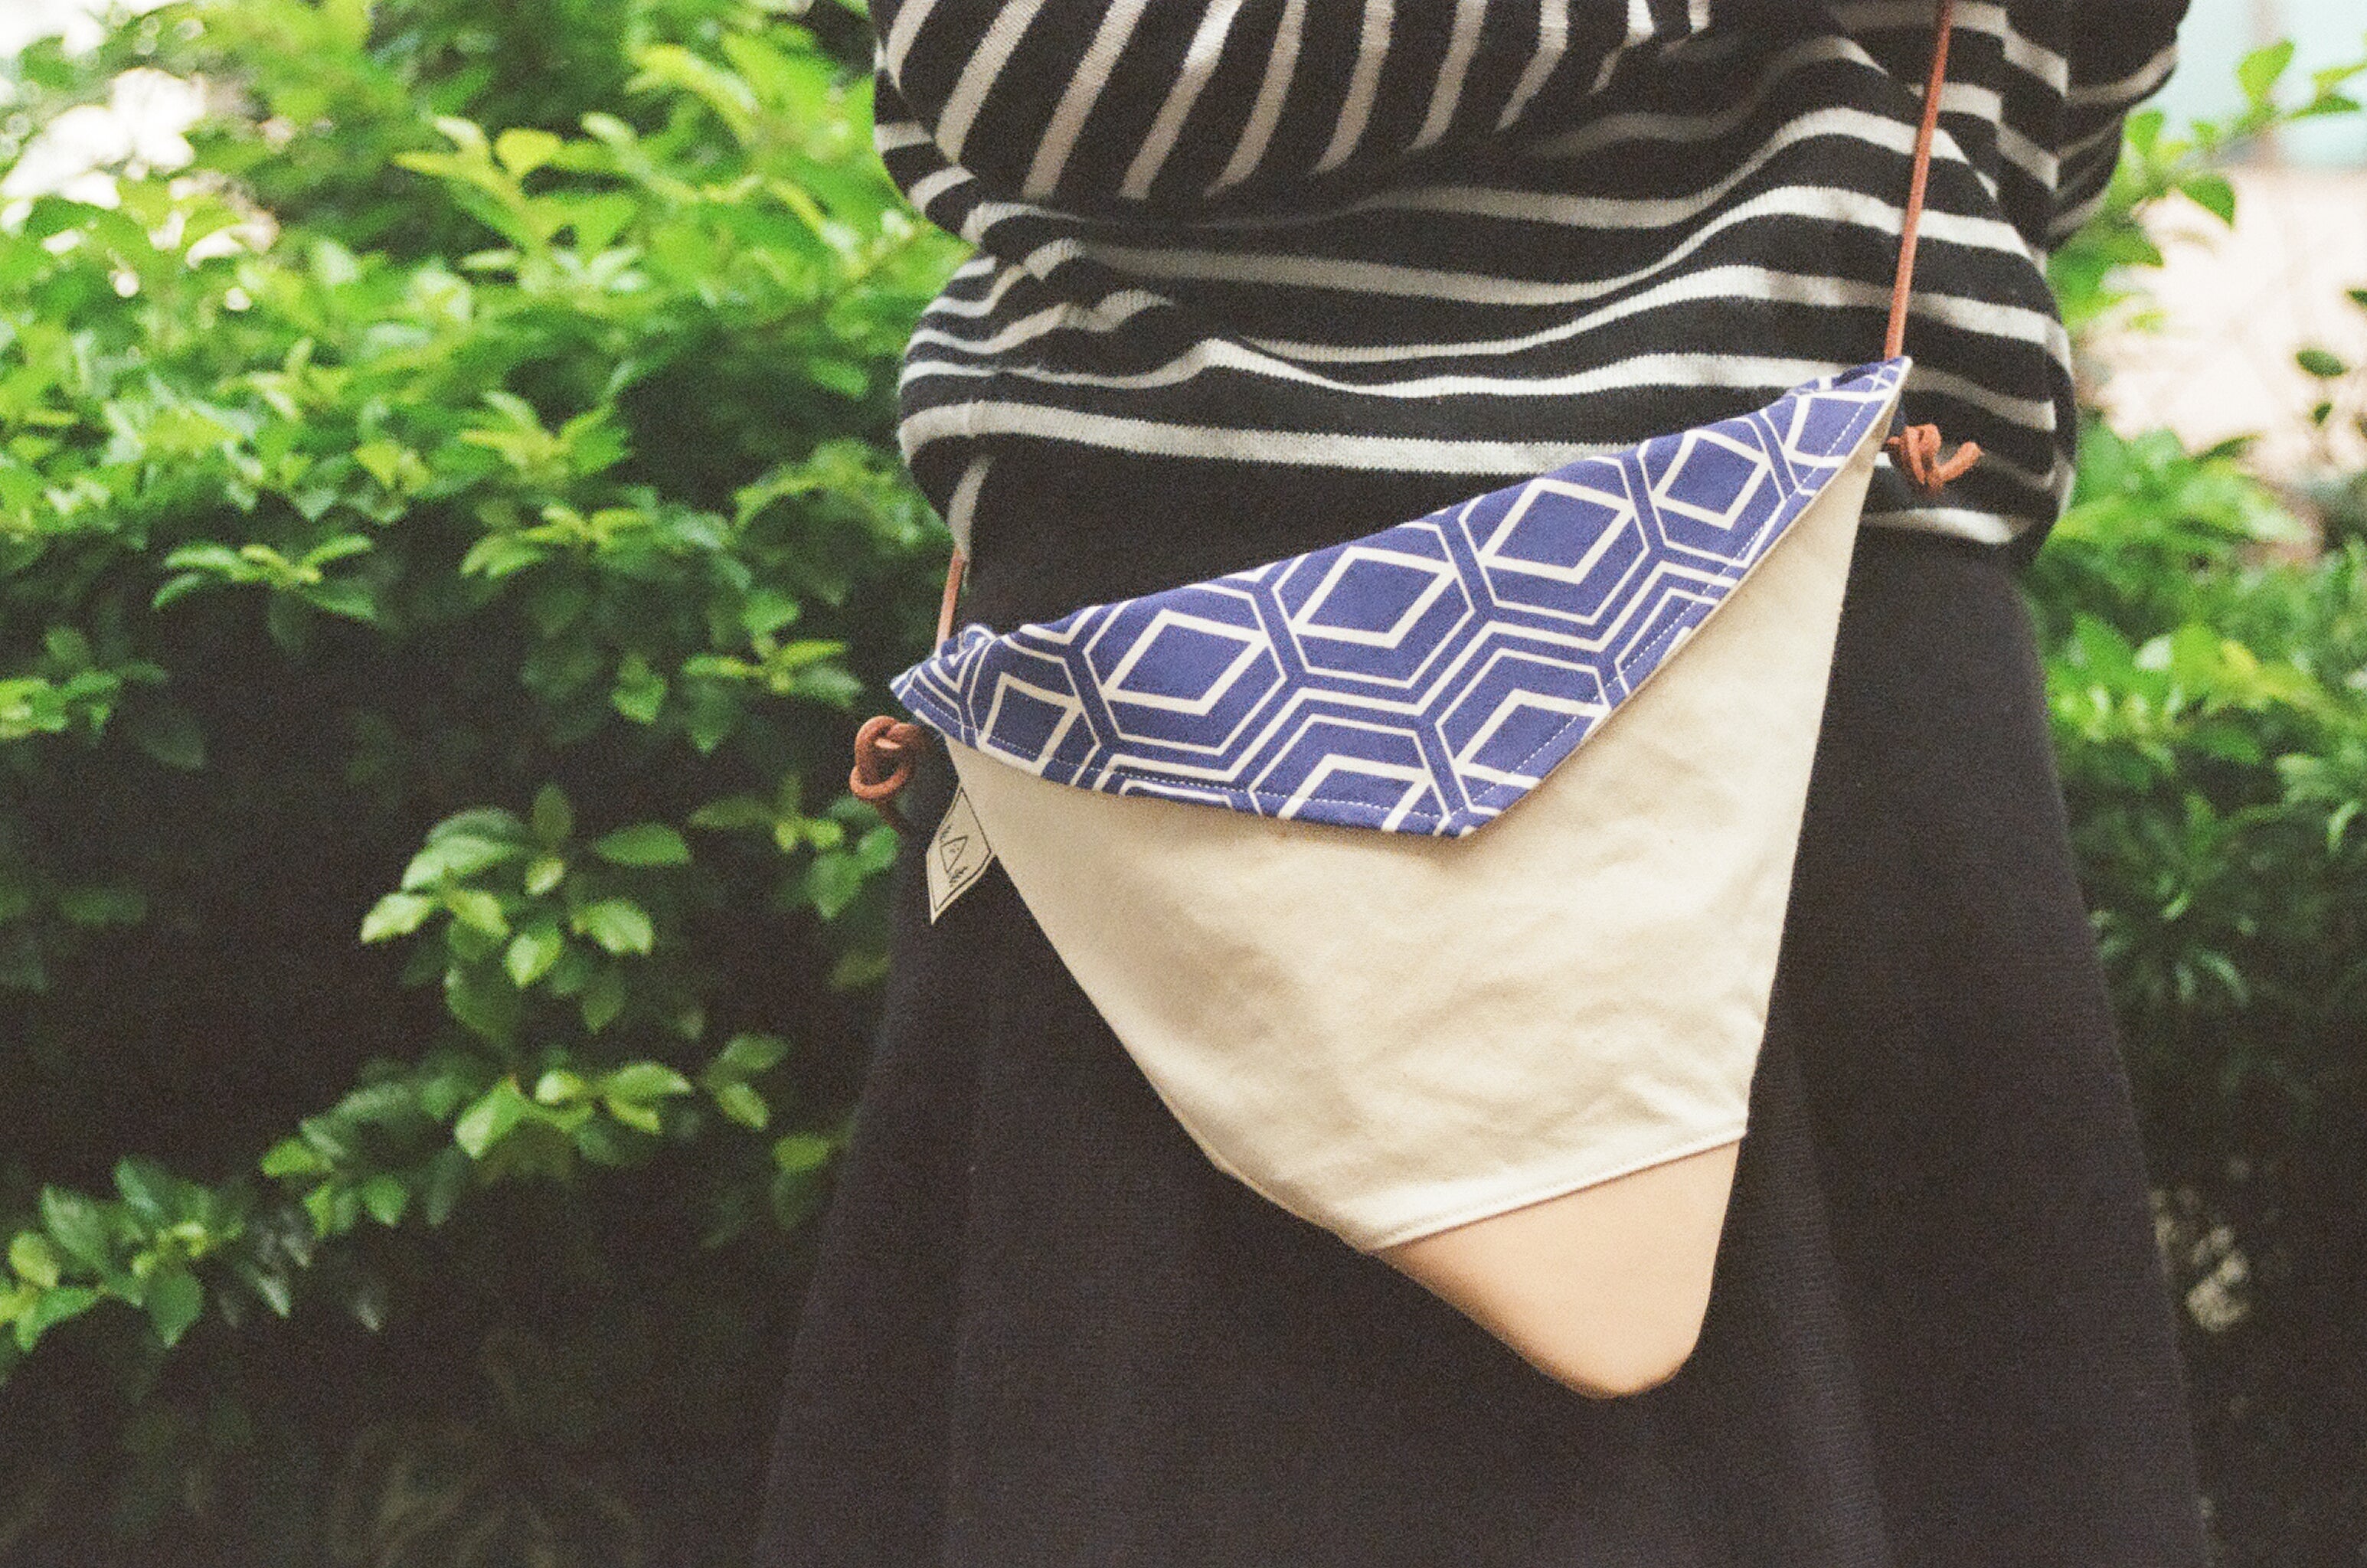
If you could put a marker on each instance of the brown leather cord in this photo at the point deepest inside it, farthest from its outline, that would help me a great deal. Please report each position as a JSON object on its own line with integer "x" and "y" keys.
{"x": 885, "y": 748}
{"x": 951, "y": 596}
{"x": 1916, "y": 450}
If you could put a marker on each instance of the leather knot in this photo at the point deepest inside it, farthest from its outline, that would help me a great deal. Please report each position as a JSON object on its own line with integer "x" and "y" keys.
{"x": 884, "y": 750}
{"x": 1916, "y": 450}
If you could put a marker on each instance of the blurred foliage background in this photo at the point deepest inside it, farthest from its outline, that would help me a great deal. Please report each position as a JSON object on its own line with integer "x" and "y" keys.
{"x": 449, "y": 517}
{"x": 443, "y": 526}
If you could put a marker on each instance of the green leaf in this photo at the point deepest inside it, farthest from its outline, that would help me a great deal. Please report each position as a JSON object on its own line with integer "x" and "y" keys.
{"x": 857, "y": 970}
{"x": 599, "y": 1140}
{"x": 497, "y": 555}
{"x": 2317, "y": 362}
{"x": 532, "y": 952}
{"x": 483, "y": 822}
{"x": 743, "y": 1105}
{"x": 2143, "y": 132}
{"x": 634, "y": 1114}
{"x": 448, "y": 1176}
{"x": 2258, "y": 72}
{"x": 733, "y": 812}
{"x": 648, "y": 843}
{"x": 79, "y": 1225}
{"x": 794, "y": 1197}
{"x": 2213, "y": 194}
{"x": 456, "y": 856}
{"x": 640, "y": 692}
{"x": 598, "y": 220}
{"x": 619, "y": 925}
{"x": 768, "y": 611}
{"x": 386, "y": 1197}
{"x": 346, "y": 24}
{"x": 843, "y": 377}
{"x": 478, "y": 909}
{"x": 744, "y": 1057}
{"x": 175, "y": 1300}
{"x": 875, "y": 851}
{"x": 493, "y": 1116}
{"x": 543, "y": 874}
{"x": 523, "y": 149}
{"x": 831, "y": 883}
{"x": 269, "y": 1284}
{"x": 603, "y": 1000}
{"x": 484, "y": 1000}
{"x": 293, "y": 1157}
{"x": 332, "y": 1208}
{"x": 382, "y": 460}
{"x": 34, "y": 1259}
{"x": 338, "y": 548}
{"x": 644, "y": 1081}
{"x": 552, "y": 818}
{"x": 49, "y": 1309}
{"x": 147, "y": 1189}
{"x": 800, "y": 1153}
{"x": 397, "y": 914}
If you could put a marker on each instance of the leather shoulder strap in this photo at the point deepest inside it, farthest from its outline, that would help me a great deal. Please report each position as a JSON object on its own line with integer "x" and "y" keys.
{"x": 1917, "y": 449}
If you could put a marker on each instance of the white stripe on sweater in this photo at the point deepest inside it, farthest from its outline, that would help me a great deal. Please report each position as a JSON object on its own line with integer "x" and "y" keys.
{"x": 1083, "y": 91}
{"x": 1364, "y": 86}
{"x": 1447, "y": 96}
{"x": 1267, "y": 112}
{"x": 1553, "y": 42}
{"x": 978, "y": 77}
{"x": 1199, "y": 65}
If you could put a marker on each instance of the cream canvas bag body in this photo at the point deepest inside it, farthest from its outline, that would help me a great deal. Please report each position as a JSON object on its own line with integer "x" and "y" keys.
{"x": 1441, "y": 874}
{"x": 1435, "y": 880}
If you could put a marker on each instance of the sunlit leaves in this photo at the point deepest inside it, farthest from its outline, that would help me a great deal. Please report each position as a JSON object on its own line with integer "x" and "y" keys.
{"x": 493, "y": 1118}
{"x": 578, "y": 424}
{"x": 619, "y": 925}
{"x": 2210, "y": 710}
{"x": 139, "y": 1246}
{"x": 646, "y": 844}
{"x": 2094, "y": 271}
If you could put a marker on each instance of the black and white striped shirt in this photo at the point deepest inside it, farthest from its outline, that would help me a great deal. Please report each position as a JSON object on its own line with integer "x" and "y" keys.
{"x": 1483, "y": 237}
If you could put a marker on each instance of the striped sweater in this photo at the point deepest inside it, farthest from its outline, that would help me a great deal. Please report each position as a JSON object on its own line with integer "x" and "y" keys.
{"x": 1484, "y": 236}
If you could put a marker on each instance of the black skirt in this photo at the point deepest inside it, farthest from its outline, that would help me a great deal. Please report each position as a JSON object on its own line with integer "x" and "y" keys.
{"x": 1045, "y": 1331}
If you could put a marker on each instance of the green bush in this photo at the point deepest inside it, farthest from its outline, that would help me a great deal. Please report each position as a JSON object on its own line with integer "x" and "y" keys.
{"x": 2206, "y": 654}
{"x": 2209, "y": 696}
{"x": 2208, "y": 675}
{"x": 458, "y": 510}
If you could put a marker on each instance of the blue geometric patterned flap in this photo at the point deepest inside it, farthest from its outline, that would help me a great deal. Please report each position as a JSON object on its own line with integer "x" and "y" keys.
{"x": 1418, "y": 680}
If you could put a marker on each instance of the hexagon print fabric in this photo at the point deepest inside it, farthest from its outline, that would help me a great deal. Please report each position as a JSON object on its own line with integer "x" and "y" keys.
{"x": 1422, "y": 679}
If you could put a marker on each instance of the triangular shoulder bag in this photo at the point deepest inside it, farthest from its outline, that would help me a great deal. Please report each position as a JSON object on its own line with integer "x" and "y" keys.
{"x": 1434, "y": 880}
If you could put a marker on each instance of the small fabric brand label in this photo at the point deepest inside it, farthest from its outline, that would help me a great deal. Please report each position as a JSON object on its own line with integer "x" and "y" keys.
{"x": 959, "y": 856}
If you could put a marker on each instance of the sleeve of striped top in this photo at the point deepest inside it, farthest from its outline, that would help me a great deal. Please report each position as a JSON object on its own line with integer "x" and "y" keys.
{"x": 1171, "y": 104}
{"x": 2124, "y": 51}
